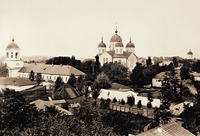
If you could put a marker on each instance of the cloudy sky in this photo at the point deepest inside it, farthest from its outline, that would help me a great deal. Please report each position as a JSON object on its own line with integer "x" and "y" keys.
{"x": 75, "y": 27}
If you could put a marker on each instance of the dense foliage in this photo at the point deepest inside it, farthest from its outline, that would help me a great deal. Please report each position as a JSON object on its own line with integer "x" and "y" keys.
{"x": 116, "y": 73}
{"x": 20, "y": 118}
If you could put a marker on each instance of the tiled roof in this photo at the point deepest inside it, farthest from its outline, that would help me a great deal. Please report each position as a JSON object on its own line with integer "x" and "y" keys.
{"x": 16, "y": 81}
{"x": 170, "y": 129}
{"x": 51, "y": 69}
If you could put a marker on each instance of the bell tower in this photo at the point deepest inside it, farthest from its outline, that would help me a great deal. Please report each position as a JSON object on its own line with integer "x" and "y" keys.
{"x": 12, "y": 59}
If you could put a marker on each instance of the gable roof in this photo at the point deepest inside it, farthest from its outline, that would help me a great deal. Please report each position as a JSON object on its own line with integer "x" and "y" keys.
{"x": 170, "y": 129}
{"x": 65, "y": 70}
{"x": 160, "y": 75}
{"x": 66, "y": 92}
{"x": 16, "y": 81}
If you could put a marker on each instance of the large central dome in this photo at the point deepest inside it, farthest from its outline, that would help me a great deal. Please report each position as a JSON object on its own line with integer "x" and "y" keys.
{"x": 116, "y": 37}
{"x": 12, "y": 46}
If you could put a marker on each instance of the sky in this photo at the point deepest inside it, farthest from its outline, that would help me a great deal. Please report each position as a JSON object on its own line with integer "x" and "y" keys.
{"x": 75, "y": 27}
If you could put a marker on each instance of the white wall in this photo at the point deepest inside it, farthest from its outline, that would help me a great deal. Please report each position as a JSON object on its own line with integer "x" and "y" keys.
{"x": 119, "y": 95}
{"x": 105, "y": 57}
{"x": 156, "y": 82}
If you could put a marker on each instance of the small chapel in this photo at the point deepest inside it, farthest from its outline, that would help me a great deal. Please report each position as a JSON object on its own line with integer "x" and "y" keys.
{"x": 117, "y": 53}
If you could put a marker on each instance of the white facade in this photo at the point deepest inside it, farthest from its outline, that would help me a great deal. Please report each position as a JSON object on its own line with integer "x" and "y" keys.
{"x": 13, "y": 59}
{"x": 117, "y": 53}
{"x": 123, "y": 94}
{"x": 156, "y": 82}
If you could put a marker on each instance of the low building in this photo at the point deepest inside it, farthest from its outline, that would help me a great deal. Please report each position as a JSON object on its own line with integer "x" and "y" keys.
{"x": 18, "y": 84}
{"x": 169, "y": 129}
{"x": 41, "y": 105}
{"x": 68, "y": 93}
{"x": 157, "y": 79}
{"x": 50, "y": 72}
{"x": 120, "y": 92}
{"x": 196, "y": 76}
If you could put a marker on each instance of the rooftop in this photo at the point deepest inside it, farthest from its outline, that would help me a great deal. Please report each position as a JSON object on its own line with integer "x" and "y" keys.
{"x": 66, "y": 70}
{"x": 16, "y": 81}
{"x": 170, "y": 129}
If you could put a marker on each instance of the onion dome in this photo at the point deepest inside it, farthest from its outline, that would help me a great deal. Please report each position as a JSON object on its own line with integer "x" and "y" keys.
{"x": 116, "y": 37}
{"x": 130, "y": 45}
{"x": 12, "y": 46}
{"x": 102, "y": 44}
{"x": 190, "y": 52}
{"x": 119, "y": 44}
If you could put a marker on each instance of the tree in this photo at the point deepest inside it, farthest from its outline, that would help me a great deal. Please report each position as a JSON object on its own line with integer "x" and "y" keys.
{"x": 87, "y": 67}
{"x": 139, "y": 105}
{"x": 175, "y": 62}
{"x": 114, "y": 100}
{"x": 80, "y": 84}
{"x": 58, "y": 83}
{"x": 131, "y": 100}
{"x": 72, "y": 80}
{"x": 96, "y": 90}
{"x": 196, "y": 66}
{"x": 149, "y": 105}
{"x": 141, "y": 75}
{"x": 122, "y": 101}
{"x": 39, "y": 78}
{"x": 103, "y": 81}
{"x": 32, "y": 75}
{"x": 150, "y": 96}
{"x": 185, "y": 74}
{"x": 116, "y": 73}
{"x": 13, "y": 110}
{"x": 148, "y": 61}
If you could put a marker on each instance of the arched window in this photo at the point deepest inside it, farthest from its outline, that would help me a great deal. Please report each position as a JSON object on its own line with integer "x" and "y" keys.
{"x": 7, "y": 55}
{"x": 11, "y": 54}
{"x": 16, "y": 55}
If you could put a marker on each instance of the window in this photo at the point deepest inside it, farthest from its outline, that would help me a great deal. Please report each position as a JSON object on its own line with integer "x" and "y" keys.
{"x": 107, "y": 60}
{"x": 16, "y": 55}
{"x": 11, "y": 54}
{"x": 66, "y": 78}
{"x": 103, "y": 60}
{"x": 7, "y": 55}
{"x": 120, "y": 50}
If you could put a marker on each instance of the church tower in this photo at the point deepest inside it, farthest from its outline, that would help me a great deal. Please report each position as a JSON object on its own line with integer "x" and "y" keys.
{"x": 102, "y": 46}
{"x": 13, "y": 60}
{"x": 130, "y": 47}
{"x": 190, "y": 54}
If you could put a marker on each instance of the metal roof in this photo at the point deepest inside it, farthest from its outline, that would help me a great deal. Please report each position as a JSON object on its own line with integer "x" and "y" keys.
{"x": 65, "y": 70}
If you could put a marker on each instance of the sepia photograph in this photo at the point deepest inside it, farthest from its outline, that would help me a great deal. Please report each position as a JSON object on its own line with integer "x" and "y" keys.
{"x": 100, "y": 68}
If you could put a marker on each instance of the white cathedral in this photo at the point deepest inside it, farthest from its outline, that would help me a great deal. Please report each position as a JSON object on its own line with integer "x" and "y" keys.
{"x": 13, "y": 59}
{"x": 117, "y": 53}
